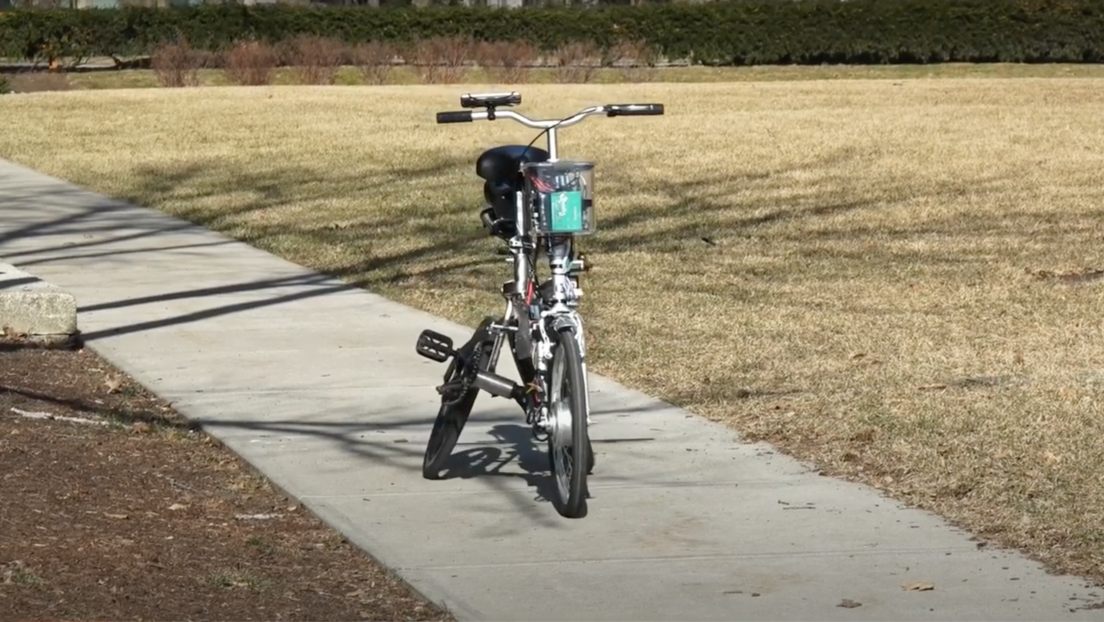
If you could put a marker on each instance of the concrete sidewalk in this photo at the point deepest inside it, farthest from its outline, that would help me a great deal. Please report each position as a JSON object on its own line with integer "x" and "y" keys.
{"x": 317, "y": 384}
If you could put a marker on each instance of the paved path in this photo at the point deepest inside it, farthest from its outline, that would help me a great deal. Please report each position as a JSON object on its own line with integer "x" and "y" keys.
{"x": 317, "y": 384}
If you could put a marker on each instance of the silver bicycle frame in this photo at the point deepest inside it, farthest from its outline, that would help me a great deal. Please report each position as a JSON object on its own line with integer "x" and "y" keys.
{"x": 523, "y": 248}
{"x": 523, "y": 251}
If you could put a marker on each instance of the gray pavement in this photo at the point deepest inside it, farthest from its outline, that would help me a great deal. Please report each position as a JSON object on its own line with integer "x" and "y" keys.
{"x": 317, "y": 384}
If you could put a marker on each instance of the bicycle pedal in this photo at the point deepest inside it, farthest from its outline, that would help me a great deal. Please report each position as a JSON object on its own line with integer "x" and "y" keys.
{"x": 434, "y": 346}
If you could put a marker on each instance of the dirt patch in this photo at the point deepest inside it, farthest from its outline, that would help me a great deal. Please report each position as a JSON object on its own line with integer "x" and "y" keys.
{"x": 114, "y": 508}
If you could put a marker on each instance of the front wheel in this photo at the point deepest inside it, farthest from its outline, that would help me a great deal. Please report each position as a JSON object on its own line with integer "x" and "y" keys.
{"x": 569, "y": 448}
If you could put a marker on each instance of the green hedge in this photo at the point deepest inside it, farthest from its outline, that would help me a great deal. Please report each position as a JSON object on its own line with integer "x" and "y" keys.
{"x": 730, "y": 32}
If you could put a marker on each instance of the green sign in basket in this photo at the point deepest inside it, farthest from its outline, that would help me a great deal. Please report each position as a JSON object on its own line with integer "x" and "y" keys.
{"x": 566, "y": 212}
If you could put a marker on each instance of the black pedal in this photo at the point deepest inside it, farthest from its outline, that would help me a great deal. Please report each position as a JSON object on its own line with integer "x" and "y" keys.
{"x": 434, "y": 346}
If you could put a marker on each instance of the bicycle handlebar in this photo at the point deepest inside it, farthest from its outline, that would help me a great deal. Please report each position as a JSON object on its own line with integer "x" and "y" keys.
{"x": 624, "y": 110}
{"x": 460, "y": 116}
{"x": 610, "y": 110}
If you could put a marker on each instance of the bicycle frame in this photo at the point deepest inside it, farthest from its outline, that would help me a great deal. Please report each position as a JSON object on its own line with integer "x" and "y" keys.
{"x": 524, "y": 252}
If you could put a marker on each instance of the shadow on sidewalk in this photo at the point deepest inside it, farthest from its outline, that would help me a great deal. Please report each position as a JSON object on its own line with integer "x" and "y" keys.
{"x": 490, "y": 461}
{"x": 505, "y": 453}
{"x": 401, "y": 445}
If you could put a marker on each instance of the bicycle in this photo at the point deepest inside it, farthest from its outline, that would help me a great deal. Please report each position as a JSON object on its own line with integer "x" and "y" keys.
{"x": 538, "y": 204}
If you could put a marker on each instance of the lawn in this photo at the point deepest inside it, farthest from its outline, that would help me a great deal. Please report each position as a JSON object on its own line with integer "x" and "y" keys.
{"x": 892, "y": 279}
{"x": 145, "y": 78}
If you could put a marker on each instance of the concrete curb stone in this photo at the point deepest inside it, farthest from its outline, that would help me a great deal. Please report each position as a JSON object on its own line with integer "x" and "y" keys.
{"x": 33, "y": 309}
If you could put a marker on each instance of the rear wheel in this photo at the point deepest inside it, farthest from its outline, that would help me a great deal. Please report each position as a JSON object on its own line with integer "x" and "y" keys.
{"x": 569, "y": 447}
{"x": 451, "y": 417}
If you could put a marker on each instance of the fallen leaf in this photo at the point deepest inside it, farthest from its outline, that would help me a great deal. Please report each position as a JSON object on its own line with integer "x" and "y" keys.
{"x": 113, "y": 384}
{"x": 919, "y": 586}
{"x": 117, "y": 516}
{"x": 141, "y": 427}
{"x": 1051, "y": 458}
{"x": 847, "y": 603}
{"x": 178, "y": 506}
{"x": 355, "y": 594}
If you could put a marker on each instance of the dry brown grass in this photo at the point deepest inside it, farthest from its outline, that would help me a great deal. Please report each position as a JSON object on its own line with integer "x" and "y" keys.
{"x": 39, "y": 81}
{"x": 369, "y": 61}
{"x": 881, "y": 293}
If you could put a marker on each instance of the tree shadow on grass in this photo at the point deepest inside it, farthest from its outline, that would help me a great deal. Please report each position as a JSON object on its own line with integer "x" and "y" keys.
{"x": 444, "y": 243}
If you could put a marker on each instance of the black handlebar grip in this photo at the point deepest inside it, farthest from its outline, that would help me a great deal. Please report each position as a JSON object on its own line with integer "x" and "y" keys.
{"x": 462, "y": 116}
{"x": 625, "y": 110}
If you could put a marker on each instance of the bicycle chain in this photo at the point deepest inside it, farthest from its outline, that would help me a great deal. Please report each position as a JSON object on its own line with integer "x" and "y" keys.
{"x": 467, "y": 376}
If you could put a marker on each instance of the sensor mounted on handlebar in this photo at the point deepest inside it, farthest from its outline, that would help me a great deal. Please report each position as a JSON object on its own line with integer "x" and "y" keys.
{"x": 490, "y": 100}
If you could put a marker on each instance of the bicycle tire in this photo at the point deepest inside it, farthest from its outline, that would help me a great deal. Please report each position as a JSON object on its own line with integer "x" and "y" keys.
{"x": 571, "y": 482}
{"x": 450, "y": 422}
{"x": 526, "y": 370}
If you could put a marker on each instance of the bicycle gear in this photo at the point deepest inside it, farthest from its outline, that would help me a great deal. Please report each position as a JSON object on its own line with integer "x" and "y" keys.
{"x": 455, "y": 390}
